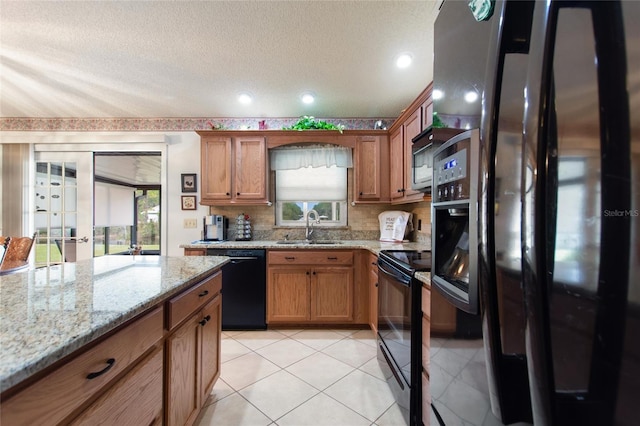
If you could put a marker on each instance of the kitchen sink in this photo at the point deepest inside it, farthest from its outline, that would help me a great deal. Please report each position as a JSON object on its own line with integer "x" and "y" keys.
{"x": 312, "y": 242}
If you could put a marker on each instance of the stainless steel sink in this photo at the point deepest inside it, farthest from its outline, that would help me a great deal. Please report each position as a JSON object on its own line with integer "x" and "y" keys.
{"x": 312, "y": 242}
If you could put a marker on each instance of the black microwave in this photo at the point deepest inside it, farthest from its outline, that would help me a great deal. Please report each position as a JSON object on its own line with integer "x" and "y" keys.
{"x": 422, "y": 151}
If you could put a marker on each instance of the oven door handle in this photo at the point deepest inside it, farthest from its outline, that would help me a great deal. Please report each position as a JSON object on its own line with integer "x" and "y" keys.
{"x": 401, "y": 278}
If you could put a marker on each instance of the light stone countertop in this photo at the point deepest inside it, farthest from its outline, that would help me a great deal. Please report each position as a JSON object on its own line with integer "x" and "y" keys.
{"x": 424, "y": 277}
{"x": 48, "y": 313}
{"x": 374, "y": 246}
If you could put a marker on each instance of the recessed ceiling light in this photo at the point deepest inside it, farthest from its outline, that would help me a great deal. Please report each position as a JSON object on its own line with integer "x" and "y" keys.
{"x": 437, "y": 94}
{"x": 245, "y": 98}
{"x": 471, "y": 97}
{"x": 307, "y": 98}
{"x": 404, "y": 60}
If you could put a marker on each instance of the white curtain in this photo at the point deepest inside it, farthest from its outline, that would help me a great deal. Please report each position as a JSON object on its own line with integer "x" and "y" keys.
{"x": 113, "y": 205}
{"x": 292, "y": 158}
{"x": 312, "y": 184}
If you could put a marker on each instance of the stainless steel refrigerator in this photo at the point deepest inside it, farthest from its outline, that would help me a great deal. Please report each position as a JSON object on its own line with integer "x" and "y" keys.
{"x": 558, "y": 205}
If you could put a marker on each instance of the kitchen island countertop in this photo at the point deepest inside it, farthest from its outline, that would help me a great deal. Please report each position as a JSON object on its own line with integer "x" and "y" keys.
{"x": 48, "y": 313}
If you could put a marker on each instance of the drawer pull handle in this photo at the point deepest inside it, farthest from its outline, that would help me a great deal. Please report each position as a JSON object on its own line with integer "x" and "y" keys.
{"x": 204, "y": 293}
{"x": 205, "y": 320}
{"x": 332, "y": 258}
{"x": 110, "y": 363}
{"x": 290, "y": 257}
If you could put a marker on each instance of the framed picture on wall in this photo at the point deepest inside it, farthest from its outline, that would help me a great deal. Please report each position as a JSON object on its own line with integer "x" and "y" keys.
{"x": 189, "y": 202}
{"x": 189, "y": 183}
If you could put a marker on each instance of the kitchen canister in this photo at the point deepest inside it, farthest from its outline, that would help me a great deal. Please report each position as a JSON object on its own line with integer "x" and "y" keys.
{"x": 243, "y": 227}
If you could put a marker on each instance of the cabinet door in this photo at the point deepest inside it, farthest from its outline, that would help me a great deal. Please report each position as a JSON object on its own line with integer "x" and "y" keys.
{"x": 427, "y": 113}
{"x": 136, "y": 399}
{"x": 288, "y": 294}
{"x": 210, "y": 345}
{"x": 368, "y": 177}
{"x": 182, "y": 390}
{"x": 412, "y": 127}
{"x": 216, "y": 168}
{"x": 396, "y": 148}
{"x": 251, "y": 168}
{"x": 373, "y": 292}
{"x": 332, "y": 294}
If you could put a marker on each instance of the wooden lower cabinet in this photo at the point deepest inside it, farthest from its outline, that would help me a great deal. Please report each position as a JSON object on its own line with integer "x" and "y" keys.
{"x": 373, "y": 292}
{"x": 332, "y": 294}
{"x": 68, "y": 391}
{"x": 443, "y": 315}
{"x": 289, "y": 294}
{"x": 192, "y": 361}
{"x": 310, "y": 287}
{"x": 211, "y": 335}
{"x": 305, "y": 294}
{"x": 425, "y": 352}
{"x": 136, "y": 399}
{"x": 195, "y": 252}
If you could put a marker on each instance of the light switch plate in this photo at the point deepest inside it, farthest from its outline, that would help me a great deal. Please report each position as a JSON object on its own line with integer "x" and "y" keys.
{"x": 191, "y": 223}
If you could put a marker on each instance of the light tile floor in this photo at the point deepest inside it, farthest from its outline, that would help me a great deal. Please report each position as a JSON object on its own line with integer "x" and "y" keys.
{"x": 300, "y": 377}
{"x": 458, "y": 380}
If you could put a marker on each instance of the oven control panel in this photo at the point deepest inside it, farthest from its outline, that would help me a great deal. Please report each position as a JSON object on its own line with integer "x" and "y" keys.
{"x": 451, "y": 176}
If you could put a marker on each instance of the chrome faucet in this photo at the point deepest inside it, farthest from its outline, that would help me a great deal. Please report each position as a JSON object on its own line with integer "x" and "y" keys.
{"x": 309, "y": 229}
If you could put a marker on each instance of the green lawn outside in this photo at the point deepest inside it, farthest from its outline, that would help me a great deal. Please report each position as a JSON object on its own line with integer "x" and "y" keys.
{"x": 41, "y": 252}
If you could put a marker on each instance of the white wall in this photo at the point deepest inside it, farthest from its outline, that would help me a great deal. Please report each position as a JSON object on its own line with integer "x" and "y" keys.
{"x": 183, "y": 157}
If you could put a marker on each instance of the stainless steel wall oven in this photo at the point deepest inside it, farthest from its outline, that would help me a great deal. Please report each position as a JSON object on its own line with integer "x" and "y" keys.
{"x": 454, "y": 220}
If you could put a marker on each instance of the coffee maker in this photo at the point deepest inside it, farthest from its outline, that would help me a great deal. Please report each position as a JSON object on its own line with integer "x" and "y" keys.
{"x": 215, "y": 227}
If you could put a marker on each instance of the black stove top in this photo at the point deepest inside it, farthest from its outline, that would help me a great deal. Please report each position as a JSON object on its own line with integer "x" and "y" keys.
{"x": 411, "y": 260}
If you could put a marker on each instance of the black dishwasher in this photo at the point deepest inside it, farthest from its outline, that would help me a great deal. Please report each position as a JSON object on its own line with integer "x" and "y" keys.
{"x": 244, "y": 289}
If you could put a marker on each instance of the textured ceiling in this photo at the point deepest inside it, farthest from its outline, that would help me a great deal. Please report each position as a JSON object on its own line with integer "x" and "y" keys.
{"x": 192, "y": 58}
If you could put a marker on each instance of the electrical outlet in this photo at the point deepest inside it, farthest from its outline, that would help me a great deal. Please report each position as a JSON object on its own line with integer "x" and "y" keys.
{"x": 191, "y": 223}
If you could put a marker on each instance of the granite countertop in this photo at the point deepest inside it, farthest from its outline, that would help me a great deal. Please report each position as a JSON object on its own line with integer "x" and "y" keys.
{"x": 424, "y": 277}
{"x": 374, "y": 246}
{"x": 48, "y": 313}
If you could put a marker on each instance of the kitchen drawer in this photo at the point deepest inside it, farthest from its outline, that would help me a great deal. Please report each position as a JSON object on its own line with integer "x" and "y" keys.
{"x": 136, "y": 399}
{"x": 311, "y": 257}
{"x": 188, "y": 302}
{"x": 53, "y": 398}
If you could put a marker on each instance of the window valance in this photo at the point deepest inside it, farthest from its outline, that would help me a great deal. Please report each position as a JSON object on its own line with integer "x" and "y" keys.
{"x": 293, "y": 158}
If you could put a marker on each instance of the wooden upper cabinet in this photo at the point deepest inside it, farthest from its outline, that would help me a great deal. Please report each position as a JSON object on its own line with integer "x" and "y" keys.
{"x": 417, "y": 117}
{"x": 371, "y": 169}
{"x": 233, "y": 169}
{"x": 427, "y": 113}
{"x": 251, "y": 168}
{"x": 396, "y": 149}
{"x": 215, "y": 168}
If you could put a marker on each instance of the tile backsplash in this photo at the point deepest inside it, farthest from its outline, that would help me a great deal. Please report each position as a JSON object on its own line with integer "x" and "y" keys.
{"x": 362, "y": 220}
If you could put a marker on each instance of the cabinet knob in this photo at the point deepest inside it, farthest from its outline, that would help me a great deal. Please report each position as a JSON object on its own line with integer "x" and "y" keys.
{"x": 204, "y": 293}
{"x": 237, "y": 193}
{"x": 361, "y": 193}
{"x": 314, "y": 272}
{"x": 228, "y": 194}
{"x": 307, "y": 272}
